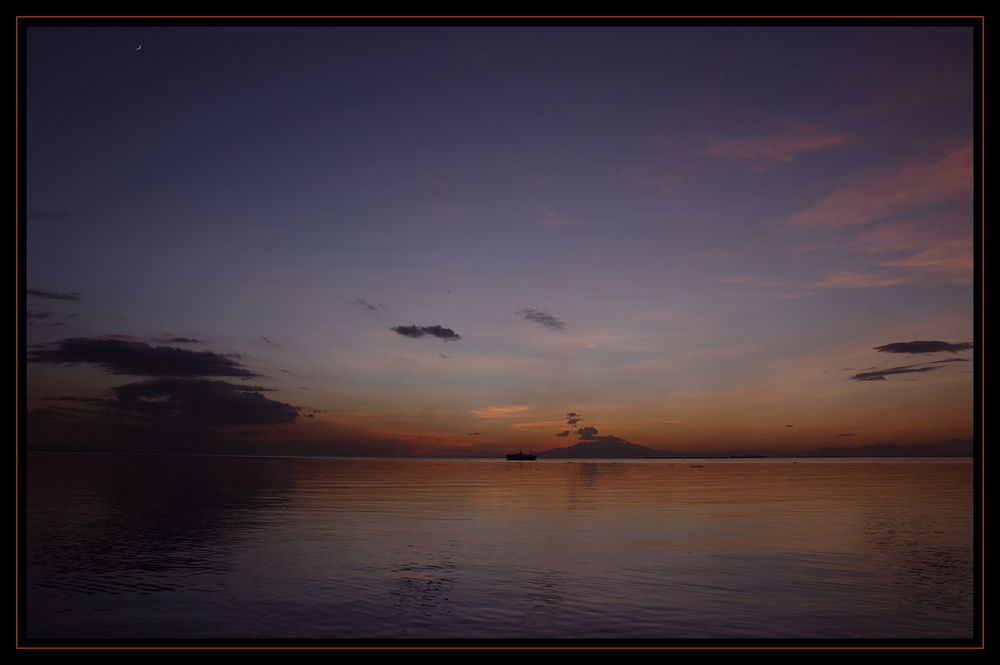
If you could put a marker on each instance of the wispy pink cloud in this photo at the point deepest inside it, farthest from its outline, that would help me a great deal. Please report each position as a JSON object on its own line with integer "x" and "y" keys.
{"x": 954, "y": 260}
{"x": 918, "y": 183}
{"x": 762, "y": 153}
{"x": 789, "y": 288}
{"x": 553, "y": 218}
{"x": 945, "y": 250}
{"x": 677, "y": 163}
{"x": 456, "y": 273}
{"x": 660, "y": 173}
{"x": 753, "y": 281}
{"x": 859, "y": 280}
{"x": 499, "y": 411}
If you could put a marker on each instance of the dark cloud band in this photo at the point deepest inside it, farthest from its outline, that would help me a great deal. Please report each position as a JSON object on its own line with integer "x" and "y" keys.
{"x": 206, "y": 401}
{"x": 924, "y": 347}
{"x": 542, "y": 318}
{"x": 52, "y": 295}
{"x": 363, "y": 304}
{"x": 137, "y": 358}
{"x": 416, "y": 332}
{"x": 879, "y": 375}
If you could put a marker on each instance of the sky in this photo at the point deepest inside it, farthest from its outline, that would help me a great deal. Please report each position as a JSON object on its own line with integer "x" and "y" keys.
{"x": 465, "y": 241}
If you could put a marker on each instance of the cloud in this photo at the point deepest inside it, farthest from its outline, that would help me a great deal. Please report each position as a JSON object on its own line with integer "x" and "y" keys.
{"x": 35, "y": 317}
{"x": 754, "y": 281}
{"x": 52, "y": 295}
{"x": 269, "y": 341}
{"x": 566, "y": 433}
{"x": 590, "y": 434}
{"x": 951, "y": 263}
{"x": 764, "y": 288}
{"x": 207, "y": 401}
{"x": 117, "y": 356}
{"x": 924, "y": 347}
{"x": 919, "y": 183}
{"x": 542, "y": 318}
{"x": 879, "y": 375}
{"x": 184, "y": 340}
{"x": 856, "y": 280}
{"x": 936, "y": 250}
{"x": 915, "y": 219}
{"x": 847, "y": 435}
{"x": 363, "y": 304}
{"x": 416, "y": 332}
{"x": 677, "y": 162}
{"x": 766, "y": 152}
{"x": 498, "y": 411}
{"x": 659, "y": 173}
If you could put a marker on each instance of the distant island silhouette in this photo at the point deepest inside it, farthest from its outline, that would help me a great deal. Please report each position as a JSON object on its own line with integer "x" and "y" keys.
{"x": 621, "y": 449}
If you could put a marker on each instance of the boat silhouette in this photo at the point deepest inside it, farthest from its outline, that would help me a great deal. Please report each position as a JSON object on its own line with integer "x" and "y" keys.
{"x": 520, "y": 456}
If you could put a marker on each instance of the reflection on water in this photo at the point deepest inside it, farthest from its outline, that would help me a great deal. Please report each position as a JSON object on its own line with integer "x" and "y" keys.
{"x": 424, "y": 585}
{"x": 175, "y": 546}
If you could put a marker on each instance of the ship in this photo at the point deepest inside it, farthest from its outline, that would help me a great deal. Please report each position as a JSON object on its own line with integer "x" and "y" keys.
{"x": 520, "y": 456}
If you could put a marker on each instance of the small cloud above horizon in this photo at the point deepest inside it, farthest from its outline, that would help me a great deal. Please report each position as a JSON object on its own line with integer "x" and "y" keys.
{"x": 52, "y": 295}
{"x": 543, "y": 319}
{"x": 763, "y": 153}
{"x": 416, "y": 332}
{"x": 499, "y": 411}
{"x": 879, "y": 375}
{"x": 364, "y": 304}
{"x": 935, "y": 346}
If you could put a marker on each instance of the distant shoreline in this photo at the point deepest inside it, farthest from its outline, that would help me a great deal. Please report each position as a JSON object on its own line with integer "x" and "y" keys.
{"x": 495, "y": 458}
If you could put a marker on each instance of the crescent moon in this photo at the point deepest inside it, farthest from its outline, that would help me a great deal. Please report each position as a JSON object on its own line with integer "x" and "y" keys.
{"x": 140, "y": 46}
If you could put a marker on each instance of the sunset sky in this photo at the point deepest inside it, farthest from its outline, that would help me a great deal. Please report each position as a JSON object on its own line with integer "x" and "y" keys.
{"x": 456, "y": 241}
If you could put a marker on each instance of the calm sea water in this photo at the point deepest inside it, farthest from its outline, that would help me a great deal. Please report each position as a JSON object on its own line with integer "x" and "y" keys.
{"x": 123, "y": 546}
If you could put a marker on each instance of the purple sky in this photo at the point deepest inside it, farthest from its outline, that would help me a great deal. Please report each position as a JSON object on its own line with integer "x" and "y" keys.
{"x": 444, "y": 240}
